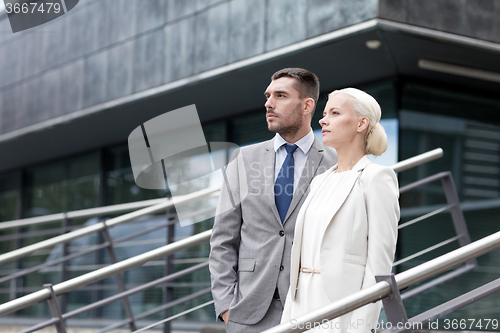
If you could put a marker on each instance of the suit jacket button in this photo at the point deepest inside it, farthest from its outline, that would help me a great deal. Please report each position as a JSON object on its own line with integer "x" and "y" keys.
{"x": 282, "y": 233}
{"x": 282, "y": 268}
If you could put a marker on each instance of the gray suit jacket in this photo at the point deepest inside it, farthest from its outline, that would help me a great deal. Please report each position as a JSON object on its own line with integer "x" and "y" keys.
{"x": 250, "y": 247}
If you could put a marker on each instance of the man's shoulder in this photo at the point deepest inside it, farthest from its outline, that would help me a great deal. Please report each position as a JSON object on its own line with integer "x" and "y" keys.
{"x": 257, "y": 147}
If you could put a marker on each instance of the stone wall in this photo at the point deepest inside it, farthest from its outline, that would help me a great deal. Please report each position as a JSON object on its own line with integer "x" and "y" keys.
{"x": 106, "y": 49}
{"x": 473, "y": 18}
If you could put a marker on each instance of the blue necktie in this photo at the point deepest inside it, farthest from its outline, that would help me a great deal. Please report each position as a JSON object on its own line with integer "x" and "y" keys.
{"x": 283, "y": 187}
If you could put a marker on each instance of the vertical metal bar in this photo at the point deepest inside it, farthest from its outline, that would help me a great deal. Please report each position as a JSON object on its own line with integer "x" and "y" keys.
{"x": 456, "y": 212}
{"x": 393, "y": 305}
{"x": 64, "y": 265}
{"x": 17, "y": 264}
{"x": 119, "y": 279}
{"x": 101, "y": 201}
{"x": 169, "y": 268}
{"x": 55, "y": 311}
{"x": 21, "y": 213}
{"x": 457, "y": 215}
{"x": 97, "y": 293}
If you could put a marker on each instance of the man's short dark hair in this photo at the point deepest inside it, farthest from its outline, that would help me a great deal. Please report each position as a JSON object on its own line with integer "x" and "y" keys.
{"x": 307, "y": 82}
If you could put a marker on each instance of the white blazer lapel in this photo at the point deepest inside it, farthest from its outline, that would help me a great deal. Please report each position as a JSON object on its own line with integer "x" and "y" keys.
{"x": 338, "y": 201}
{"x": 348, "y": 184}
{"x": 297, "y": 240}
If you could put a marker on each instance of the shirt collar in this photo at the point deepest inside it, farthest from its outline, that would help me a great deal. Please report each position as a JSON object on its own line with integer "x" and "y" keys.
{"x": 304, "y": 144}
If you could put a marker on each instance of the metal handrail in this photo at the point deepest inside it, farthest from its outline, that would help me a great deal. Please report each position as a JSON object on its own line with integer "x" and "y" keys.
{"x": 124, "y": 294}
{"x": 19, "y": 253}
{"x": 17, "y": 273}
{"x": 77, "y": 214}
{"x": 417, "y": 160}
{"x": 114, "y": 269}
{"x": 27, "y": 250}
{"x": 382, "y": 289}
{"x": 104, "y": 272}
{"x": 120, "y": 208}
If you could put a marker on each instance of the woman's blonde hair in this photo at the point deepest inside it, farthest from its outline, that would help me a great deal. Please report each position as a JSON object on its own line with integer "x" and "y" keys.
{"x": 366, "y": 106}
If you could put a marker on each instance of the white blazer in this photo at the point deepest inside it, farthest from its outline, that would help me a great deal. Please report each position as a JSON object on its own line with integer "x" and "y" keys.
{"x": 360, "y": 240}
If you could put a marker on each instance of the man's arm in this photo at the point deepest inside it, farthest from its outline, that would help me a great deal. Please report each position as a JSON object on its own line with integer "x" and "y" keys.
{"x": 225, "y": 240}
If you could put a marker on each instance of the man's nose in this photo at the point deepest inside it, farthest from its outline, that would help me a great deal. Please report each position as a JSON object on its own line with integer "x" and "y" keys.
{"x": 269, "y": 104}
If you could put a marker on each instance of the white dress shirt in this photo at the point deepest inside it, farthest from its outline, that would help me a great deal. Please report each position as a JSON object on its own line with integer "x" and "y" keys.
{"x": 300, "y": 155}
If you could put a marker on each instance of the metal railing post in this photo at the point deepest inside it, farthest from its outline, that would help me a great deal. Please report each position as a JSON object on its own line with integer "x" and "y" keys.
{"x": 169, "y": 268}
{"x": 65, "y": 223}
{"x": 393, "y": 304}
{"x": 55, "y": 310}
{"x": 456, "y": 212}
{"x": 118, "y": 277}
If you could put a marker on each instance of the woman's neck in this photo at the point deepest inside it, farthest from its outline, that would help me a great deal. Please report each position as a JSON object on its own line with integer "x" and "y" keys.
{"x": 348, "y": 158}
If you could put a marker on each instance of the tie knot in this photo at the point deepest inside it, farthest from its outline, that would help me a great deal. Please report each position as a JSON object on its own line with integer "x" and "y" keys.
{"x": 290, "y": 149}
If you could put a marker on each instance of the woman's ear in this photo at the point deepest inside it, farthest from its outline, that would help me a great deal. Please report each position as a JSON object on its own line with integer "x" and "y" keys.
{"x": 363, "y": 124}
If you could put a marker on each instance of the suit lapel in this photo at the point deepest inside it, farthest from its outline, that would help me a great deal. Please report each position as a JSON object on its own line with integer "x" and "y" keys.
{"x": 297, "y": 243}
{"x": 313, "y": 160}
{"x": 268, "y": 177}
{"x": 343, "y": 192}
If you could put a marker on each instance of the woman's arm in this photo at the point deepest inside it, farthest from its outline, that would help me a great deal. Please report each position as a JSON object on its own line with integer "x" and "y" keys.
{"x": 382, "y": 207}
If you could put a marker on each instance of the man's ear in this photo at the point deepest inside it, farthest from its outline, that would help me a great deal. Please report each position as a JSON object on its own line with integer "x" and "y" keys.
{"x": 308, "y": 106}
{"x": 363, "y": 124}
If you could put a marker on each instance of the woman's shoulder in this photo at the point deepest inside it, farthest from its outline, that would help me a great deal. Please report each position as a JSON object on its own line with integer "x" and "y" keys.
{"x": 377, "y": 173}
{"x": 377, "y": 168}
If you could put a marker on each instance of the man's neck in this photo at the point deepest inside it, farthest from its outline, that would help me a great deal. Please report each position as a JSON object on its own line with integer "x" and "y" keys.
{"x": 294, "y": 137}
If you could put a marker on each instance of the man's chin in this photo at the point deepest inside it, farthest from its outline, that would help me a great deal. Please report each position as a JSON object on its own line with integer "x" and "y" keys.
{"x": 272, "y": 127}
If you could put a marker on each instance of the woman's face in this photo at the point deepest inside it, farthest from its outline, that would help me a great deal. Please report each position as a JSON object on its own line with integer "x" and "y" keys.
{"x": 340, "y": 123}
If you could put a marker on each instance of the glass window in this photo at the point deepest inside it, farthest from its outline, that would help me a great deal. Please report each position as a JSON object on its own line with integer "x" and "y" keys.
{"x": 10, "y": 200}
{"x": 249, "y": 128}
{"x": 10, "y": 195}
{"x": 120, "y": 183}
{"x": 466, "y": 125}
{"x": 63, "y": 186}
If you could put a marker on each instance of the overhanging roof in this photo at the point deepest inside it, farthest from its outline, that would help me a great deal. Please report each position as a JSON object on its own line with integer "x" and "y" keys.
{"x": 340, "y": 58}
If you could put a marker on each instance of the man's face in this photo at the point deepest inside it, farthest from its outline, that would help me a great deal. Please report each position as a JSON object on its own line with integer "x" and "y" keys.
{"x": 283, "y": 106}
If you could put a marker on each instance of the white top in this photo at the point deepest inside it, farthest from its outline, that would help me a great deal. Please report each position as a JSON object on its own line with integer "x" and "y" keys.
{"x": 300, "y": 155}
{"x": 310, "y": 292}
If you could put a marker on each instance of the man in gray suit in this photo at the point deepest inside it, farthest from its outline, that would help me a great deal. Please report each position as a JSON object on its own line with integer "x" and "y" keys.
{"x": 266, "y": 184}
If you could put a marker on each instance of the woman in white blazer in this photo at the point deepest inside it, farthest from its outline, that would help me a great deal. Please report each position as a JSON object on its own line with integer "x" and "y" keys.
{"x": 346, "y": 230}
